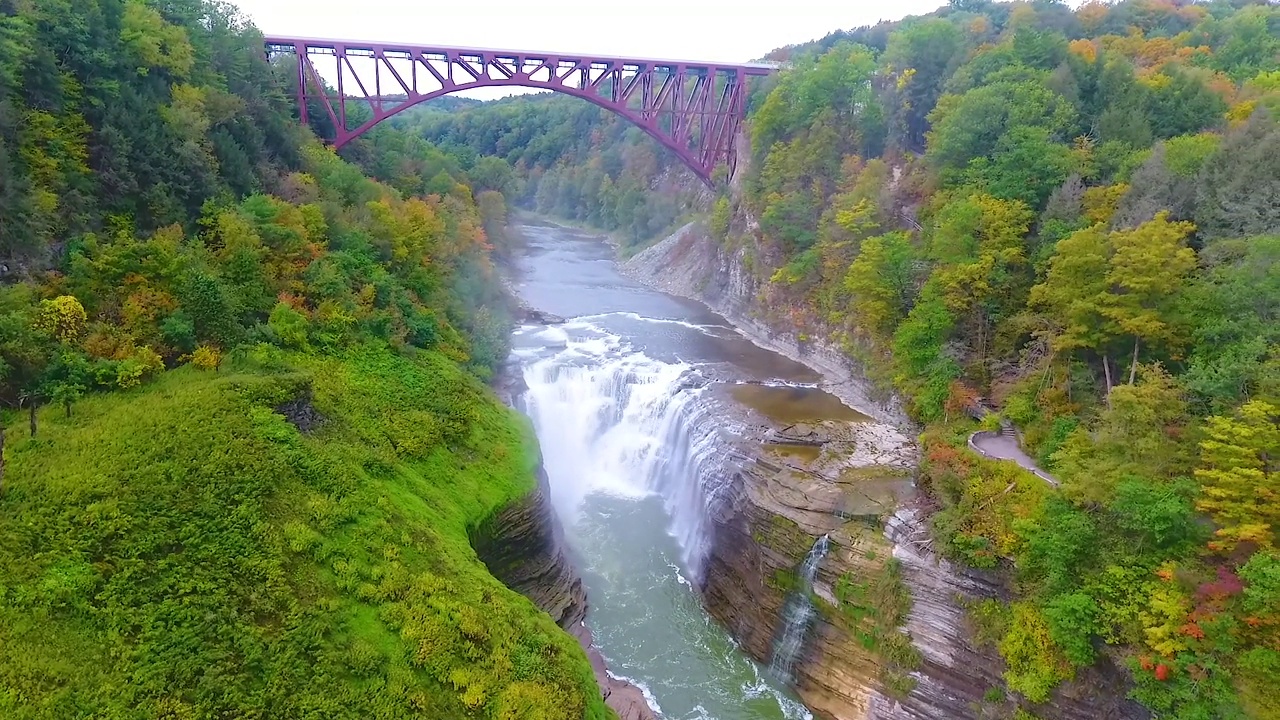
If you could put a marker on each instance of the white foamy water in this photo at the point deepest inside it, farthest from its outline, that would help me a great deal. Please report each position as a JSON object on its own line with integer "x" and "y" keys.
{"x": 621, "y": 423}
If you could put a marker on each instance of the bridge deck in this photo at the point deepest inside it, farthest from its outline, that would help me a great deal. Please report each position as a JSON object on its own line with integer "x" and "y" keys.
{"x": 748, "y": 68}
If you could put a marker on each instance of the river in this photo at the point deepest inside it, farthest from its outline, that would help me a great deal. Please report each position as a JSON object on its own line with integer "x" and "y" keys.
{"x": 616, "y": 394}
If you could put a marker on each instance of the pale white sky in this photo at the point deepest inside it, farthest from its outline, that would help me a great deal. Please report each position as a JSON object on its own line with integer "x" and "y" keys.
{"x": 708, "y": 30}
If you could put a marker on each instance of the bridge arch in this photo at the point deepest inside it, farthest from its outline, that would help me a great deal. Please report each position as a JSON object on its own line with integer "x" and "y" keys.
{"x": 694, "y": 109}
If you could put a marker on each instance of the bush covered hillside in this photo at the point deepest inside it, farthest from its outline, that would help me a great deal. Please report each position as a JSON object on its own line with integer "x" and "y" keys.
{"x": 246, "y": 430}
{"x": 1071, "y": 214}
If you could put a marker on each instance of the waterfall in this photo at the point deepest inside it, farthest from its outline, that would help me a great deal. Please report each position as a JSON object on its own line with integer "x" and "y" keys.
{"x": 611, "y": 419}
{"x": 797, "y": 614}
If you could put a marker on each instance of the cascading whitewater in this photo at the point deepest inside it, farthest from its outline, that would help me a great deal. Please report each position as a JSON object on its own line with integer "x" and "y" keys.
{"x": 797, "y": 614}
{"x": 614, "y": 420}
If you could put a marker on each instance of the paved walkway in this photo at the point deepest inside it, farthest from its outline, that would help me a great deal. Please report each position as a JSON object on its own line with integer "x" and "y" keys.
{"x": 1005, "y": 447}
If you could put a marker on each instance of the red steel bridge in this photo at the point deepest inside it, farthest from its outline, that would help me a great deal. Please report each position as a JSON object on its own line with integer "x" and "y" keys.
{"x": 693, "y": 108}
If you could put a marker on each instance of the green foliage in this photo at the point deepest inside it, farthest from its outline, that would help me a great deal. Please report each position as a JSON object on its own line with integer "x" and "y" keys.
{"x": 922, "y": 55}
{"x": 971, "y": 126}
{"x": 720, "y": 216}
{"x": 1057, "y": 544}
{"x": 1234, "y": 308}
{"x": 918, "y": 349}
{"x": 1139, "y": 435}
{"x": 289, "y": 326}
{"x": 1073, "y": 621}
{"x": 881, "y": 280}
{"x": 251, "y": 567}
{"x": 1035, "y": 664}
{"x": 1024, "y": 165}
{"x": 833, "y": 87}
{"x": 147, "y": 155}
{"x": 874, "y": 606}
{"x": 1186, "y": 154}
{"x": 1066, "y": 213}
{"x": 990, "y": 620}
{"x": 1233, "y": 181}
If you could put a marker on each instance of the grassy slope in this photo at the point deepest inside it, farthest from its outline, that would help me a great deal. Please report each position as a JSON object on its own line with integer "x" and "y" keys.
{"x": 181, "y": 550}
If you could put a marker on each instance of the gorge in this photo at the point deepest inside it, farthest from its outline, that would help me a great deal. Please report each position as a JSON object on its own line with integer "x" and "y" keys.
{"x": 275, "y": 441}
{"x": 692, "y": 469}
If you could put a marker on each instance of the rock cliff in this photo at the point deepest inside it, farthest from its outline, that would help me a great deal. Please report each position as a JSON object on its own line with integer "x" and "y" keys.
{"x": 891, "y": 640}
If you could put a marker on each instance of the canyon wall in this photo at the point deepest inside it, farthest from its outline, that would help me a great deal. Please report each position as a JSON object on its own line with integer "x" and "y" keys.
{"x": 854, "y": 484}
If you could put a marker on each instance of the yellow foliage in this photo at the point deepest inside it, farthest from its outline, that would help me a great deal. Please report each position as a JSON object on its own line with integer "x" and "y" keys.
{"x": 62, "y": 317}
{"x": 1240, "y": 488}
{"x": 904, "y": 79}
{"x": 206, "y": 357}
{"x": 859, "y": 219}
{"x": 1155, "y": 81}
{"x": 1100, "y": 203}
{"x": 142, "y": 363}
{"x": 1166, "y": 613}
{"x": 1035, "y": 663}
{"x": 1240, "y": 112}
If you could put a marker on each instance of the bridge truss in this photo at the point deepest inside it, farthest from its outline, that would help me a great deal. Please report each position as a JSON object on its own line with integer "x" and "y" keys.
{"x": 693, "y": 108}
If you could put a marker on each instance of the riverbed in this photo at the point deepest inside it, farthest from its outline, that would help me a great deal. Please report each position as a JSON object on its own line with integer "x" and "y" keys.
{"x": 620, "y": 395}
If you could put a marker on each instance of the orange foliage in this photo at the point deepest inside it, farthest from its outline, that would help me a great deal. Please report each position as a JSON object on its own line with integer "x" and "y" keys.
{"x": 944, "y": 457}
{"x": 1191, "y": 629}
{"x": 294, "y": 301}
{"x": 107, "y": 342}
{"x": 145, "y": 306}
{"x": 1087, "y": 49}
{"x": 960, "y": 397}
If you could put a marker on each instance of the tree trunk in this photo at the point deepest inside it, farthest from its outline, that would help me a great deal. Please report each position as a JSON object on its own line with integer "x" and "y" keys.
{"x": 1133, "y": 366}
{"x": 1106, "y": 370}
{"x": 1, "y": 457}
{"x": 32, "y": 415}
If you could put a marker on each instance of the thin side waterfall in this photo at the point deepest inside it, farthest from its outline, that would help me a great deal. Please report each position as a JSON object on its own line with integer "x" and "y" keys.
{"x": 797, "y": 615}
{"x": 613, "y": 420}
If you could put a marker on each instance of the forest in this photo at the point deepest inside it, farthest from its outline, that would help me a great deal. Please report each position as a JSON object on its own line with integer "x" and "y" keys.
{"x": 1069, "y": 216}
{"x": 246, "y": 428}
